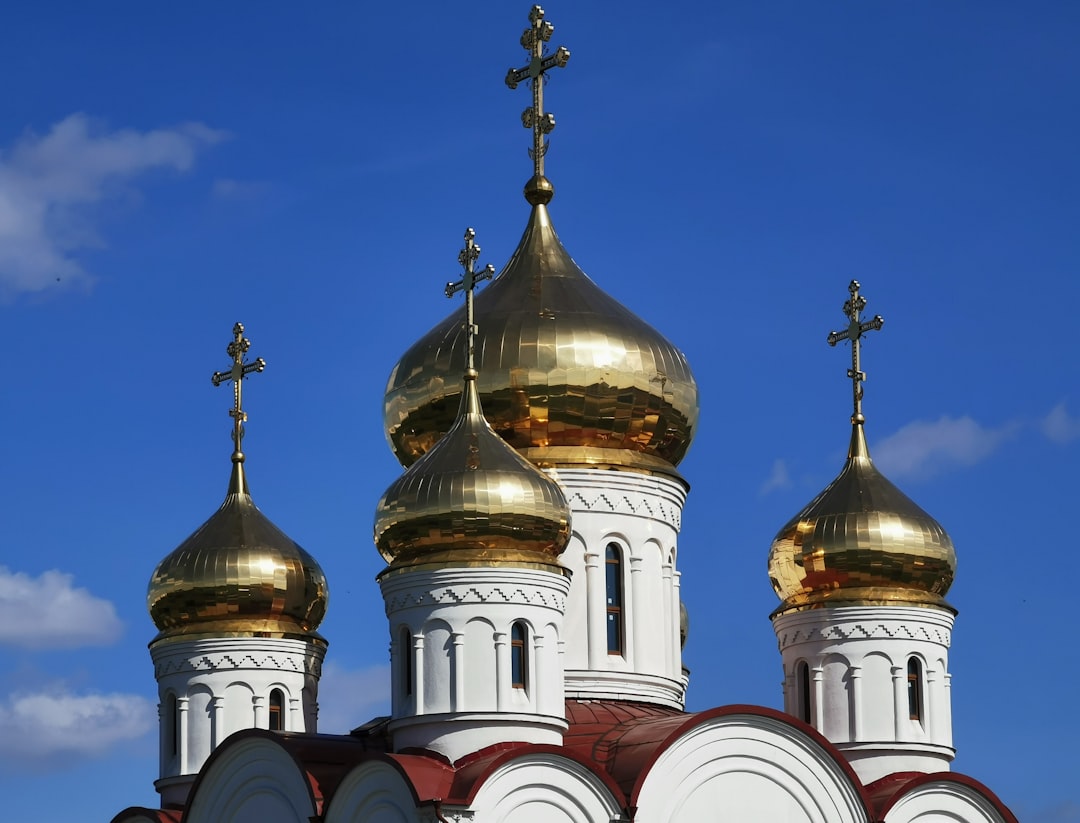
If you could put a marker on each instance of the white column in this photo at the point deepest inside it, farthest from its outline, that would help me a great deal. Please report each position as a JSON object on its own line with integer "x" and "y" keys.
{"x": 418, "y": 674}
{"x": 397, "y": 688}
{"x": 676, "y": 619}
{"x": 671, "y": 641}
{"x": 596, "y": 611}
{"x": 930, "y": 707}
{"x": 946, "y": 738}
{"x": 502, "y": 672}
{"x": 258, "y": 703}
{"x": 165, "y": 735}
{"x": 457, "y": 665}
{"x": 787, "y": 686}
{"x": 636, "y": 642}
{"x": 182, "y": 732}
{"x": 538, "y": 689}
{"x": 295, "y": 722}
{"x": 900, "y": 709}
{"x": 817, "y": 695}
{"x": 857, "y": 703}
{"x": 217, "y": 709}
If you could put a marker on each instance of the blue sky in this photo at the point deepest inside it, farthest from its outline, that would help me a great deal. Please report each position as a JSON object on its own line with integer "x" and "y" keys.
{"x": 724, "y": 169}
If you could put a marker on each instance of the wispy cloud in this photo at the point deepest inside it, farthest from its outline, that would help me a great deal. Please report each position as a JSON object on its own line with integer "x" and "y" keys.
{"x": 1059, "y": 426}
{"x": 226, "y": 188}
{"x": 778, "y": 478}
{"x": 46, "y": 730}
{"x": 1065, "y": 812}
{"x": 348, "y": 698}
{"x": 923, "y": 448}
{"x": 50, "y": 183}
{"x": 49, "y": 611}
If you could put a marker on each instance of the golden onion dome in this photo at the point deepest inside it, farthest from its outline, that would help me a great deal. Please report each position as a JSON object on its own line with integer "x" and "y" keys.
{"x": 568, "y": 375}
{"x": 861, "y": 541}
{"x": 471, "y": 500}
{"x": 238, "y": 574}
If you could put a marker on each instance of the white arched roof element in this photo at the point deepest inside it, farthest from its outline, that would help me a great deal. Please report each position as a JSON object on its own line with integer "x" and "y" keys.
{"x": 251, "y": 778}
{"x": 948, "y": 799}
{"x": 373, "y": 792}
{"x": 543, "y": 787}
{"x": 736, "y": 767}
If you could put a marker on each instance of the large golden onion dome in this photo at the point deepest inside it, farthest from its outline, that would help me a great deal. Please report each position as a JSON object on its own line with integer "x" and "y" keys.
{"x": 237, "y": 574}
{"x": 472, "y": 501}
{"x": 861, "y": 541}
{"x": 568, "y": 375}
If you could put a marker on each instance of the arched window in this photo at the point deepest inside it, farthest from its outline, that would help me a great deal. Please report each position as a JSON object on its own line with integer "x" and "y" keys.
{"x": 519, "y": 658}
{"x": 405, "y": 654}
{"x": 172, "y": 728}
{"x": 914, "y": 689}
{"x": 277, "y": 710}
{"x": 802, "y": 675}
{"x": 613, "y": 581}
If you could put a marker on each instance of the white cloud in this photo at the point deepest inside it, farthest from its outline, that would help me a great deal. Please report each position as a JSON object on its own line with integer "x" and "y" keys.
{"x": 49, "y": 729}
{"x": 349, "y": 698}
{"x": 778, "y": 478}
{"x": 226, "y": 188}
{"x": 49, "y": 183}
{"x": 50, "y": 612}
{"x": 926, "y": 447}
{"x": 1059, "y": 426}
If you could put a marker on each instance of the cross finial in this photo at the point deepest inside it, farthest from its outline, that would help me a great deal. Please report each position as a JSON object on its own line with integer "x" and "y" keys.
{"x": 237, "y": 350}
{"x": 467, "y": 257}
{"x": 854, "y": 332}
{"x": 539, "y": 189}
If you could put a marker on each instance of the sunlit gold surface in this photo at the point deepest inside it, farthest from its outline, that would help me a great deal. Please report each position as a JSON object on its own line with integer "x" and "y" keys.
{"x": 237, "y": 574}
{"x": 862, "y": 541}
{"x": 472, "y": 500}
{"x": 567, "y": 374}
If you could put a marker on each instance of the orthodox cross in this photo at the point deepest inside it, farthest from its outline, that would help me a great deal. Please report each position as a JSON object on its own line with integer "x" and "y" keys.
{"x": 854, "y": 332}
{"x": 237, "y": 350}
{"x": 535, "y": 118}
{"x": 467, "y": 258}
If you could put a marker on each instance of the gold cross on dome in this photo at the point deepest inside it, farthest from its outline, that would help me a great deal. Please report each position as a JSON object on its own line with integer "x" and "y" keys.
{"x": 854, "y": 332}
{"x": 237, "y": 350}
{"x": 467, "y": 257}
{"x": 534, "y": 41}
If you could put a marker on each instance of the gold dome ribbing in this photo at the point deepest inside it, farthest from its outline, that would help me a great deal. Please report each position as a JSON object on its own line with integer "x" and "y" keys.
{"x": 861, "y": 541}
{"x": 471, "y": 499}
{"x": 238, "y": 574}
{"x": 568, "y": 376}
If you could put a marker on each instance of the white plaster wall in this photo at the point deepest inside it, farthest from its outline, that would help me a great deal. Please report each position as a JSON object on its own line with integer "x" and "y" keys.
{"x": 223, "y": 685}
{"x": 857, "y": 658}
{"x": 737, "y": 768}
{"x": 642, "y": 514}
{"x": 943, "y": 802}
{"x": 544, "y": 789}
{"x": 372, "y": 792}
{"x": 455, "y": 627}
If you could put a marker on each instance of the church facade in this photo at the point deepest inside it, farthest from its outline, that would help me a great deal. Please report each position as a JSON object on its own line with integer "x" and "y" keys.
{"x": 532, "y": 595}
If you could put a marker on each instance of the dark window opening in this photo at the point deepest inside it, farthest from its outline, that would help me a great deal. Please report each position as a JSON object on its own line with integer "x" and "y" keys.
{"x": 277, "y": 711}
{"x": 803, "y": 676}
{"x": 519, "y": 662}
{"x": 406, "y": 655}
{"x": 914, "y": 689}
{"x": 613, "y": 583}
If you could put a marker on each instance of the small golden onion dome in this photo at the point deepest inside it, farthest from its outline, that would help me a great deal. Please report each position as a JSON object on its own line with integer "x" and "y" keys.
{"x": 238, "y": 574}
{"x": 472, "y": 500}
{"x": 568, "y": 375}
{"x": 861, "y": 541}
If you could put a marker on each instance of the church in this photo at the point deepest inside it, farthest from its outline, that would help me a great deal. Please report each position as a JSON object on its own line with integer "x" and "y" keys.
{"x": 532, "y": 596}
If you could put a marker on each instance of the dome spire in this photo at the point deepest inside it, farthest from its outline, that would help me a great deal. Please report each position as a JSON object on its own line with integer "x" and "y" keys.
{"x": 538, "y": 190}
{"x": 238, "y": 350}
{"x": 854, "y": 332}
{"x": 467, "y": 257}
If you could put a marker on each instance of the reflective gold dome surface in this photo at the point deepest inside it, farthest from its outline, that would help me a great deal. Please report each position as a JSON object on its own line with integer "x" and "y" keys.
{"x": 861, "y": 541}
{"x": 472, "y": 500}
{"x": 237, "y": 574}
{"x": 568, "y": 376}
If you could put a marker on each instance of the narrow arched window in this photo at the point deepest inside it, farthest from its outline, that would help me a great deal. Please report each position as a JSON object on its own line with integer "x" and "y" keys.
{"x": 277, "y": 710}
{"x": 172, "y": 730}
{"x": 803, "y": 677}
{"x": 519, "y": 658}
{"x": 613, "y": 582}
{"x": 405, "y": 654}
{"x": 914, "y": 689}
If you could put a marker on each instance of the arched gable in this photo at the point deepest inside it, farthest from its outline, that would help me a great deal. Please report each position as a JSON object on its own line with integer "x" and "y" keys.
{"x": 543, "y": 787}
{"x": 373, "y": 792}
{"x": 251, "y": 777}
{"x": 946, "y": 798}
{"x": 730, "y": 766}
